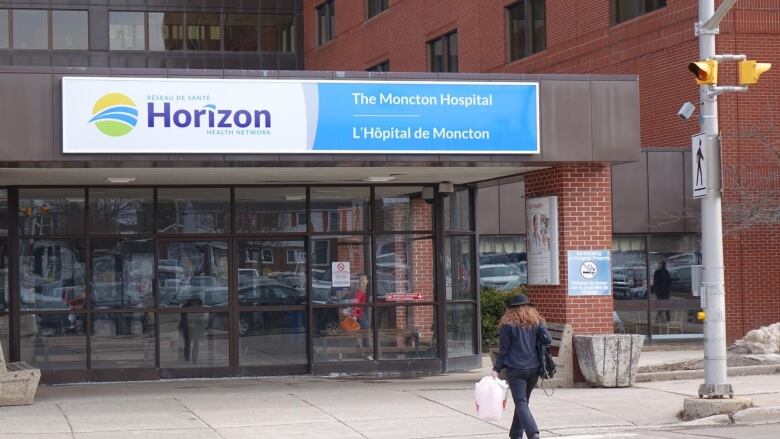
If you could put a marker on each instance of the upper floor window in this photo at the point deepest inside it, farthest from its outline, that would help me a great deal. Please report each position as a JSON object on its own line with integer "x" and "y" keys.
{"x": 375, "y": 7}
{"x": 126, "y": 31}
{"x": 624, "y": 10}
{"x": 241, "y": 33}
{"x": 39, "y": 29}
{"x": 443, "y": 53}
{"x": 384, "y": 66}
{"x": 326, "y": 22}
{"x": 203, "y": 32}
{"x": 278, "y": 33}
{"x": 166, "y": 30}
{"x": 527, "y": 28}
{"x": 4, "y": 29}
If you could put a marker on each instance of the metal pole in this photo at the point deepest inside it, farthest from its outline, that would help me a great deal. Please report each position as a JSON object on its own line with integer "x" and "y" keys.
{"x": 715, "y": 385}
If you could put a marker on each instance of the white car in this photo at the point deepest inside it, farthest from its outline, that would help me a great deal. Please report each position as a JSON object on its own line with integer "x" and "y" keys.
{"x": 500, "y": 276}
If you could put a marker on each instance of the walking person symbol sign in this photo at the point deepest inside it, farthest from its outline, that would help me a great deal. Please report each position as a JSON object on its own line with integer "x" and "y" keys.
{"x": 699, "y": 165}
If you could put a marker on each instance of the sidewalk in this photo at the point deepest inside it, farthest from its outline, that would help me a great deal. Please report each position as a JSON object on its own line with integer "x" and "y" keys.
{"x": 323, "y": 408}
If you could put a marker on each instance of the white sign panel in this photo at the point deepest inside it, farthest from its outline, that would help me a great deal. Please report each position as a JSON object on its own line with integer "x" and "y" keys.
{"x": 699, "y": 165}
{"x": 228, "y": 116}
{"x": 340, "y": 272}
{"x": 542, "y": 223}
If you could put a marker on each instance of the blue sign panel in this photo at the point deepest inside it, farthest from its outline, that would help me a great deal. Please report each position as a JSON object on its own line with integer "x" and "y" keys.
{"x": 590, "y": 273}
{"x": 428, "y": 117}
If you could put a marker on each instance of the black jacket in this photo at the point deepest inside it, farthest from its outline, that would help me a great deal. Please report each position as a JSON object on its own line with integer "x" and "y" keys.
{"x": 517, "y": 347}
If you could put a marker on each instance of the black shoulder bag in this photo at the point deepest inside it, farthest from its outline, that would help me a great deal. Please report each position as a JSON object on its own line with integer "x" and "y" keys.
{"x": 547, "y": 367}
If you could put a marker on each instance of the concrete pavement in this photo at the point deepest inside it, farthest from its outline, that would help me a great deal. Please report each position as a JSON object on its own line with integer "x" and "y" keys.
{"x": 344, "y": 408}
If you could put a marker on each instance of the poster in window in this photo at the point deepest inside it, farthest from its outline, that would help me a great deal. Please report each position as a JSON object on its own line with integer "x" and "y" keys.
{"x": 542, "y": 224}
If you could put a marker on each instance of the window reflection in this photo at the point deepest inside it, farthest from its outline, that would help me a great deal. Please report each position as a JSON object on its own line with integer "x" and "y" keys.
{"x": 241, "y": 33}
{"x": 404, "y": 208}
{"x": 126, "y": 31}
{"x": 4, "y": 305}
{"x": 271, "y": 210}
{"x": 268, "y": 276}
{"x": 122, "y": 340}
{"x": 122, "y": 273}
{"x": 457, "y": 268}
{"x": 352, "y": 250}
{"x": 166, "y": 31}
{"x": 629, "y": 268}
{"x": 502, "y": 262}
{"x": 278, "y": 33}
{"x": 272, "y": 337}
{"x": 53, "y": 342}
{"x": 52, "y": 274}
{"x": 193, "y": 274}
{"x": 193, "y": 340}
{"x": 201, "y": 210}
{"x": 457, "y": 211}
{"x": 70, "y": 30}
{"x": 51, "y": 211}
{"x": 406, "y": 332}
{"x": 4, "y": 28}
{"x": 120, "y": 211}
{"x": 460, "y": 330}
{"x": 339, "y": 209}
{"x": 338, "y": 337}
{"x": 4, "y": 334}
{"x": 30, "y": 29}
{"x": 404, "y": 268}
{"x": 203, "y": 32}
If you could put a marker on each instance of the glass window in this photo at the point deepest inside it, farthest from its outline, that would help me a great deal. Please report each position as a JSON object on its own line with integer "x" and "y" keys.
{"x": 4, "y": 335}
{"x": 502, "y": 262}
{"x": 54, "y": 341}
{"x": 31, "y": 29}
{"x": 271, "y": 210}
{"x": 126, "y": 31}
{"x": 384, "y": 66}
{"x": 51, "y": 211}
{"x": 193, "y": 210}
{"x": 527, "y": 28}
{"x": 339, "y": 209}
{"x": 122, "y": 273}
{"x": 166, "y": 31}
{"x": 452, "y": 52}
{"x": 52, "y": 274}
{"x": 193, "y": 274}
{"x": 406, "y": 332}
{"x": 403, "y": 208}
{"x": 193, "y": 340}
{"x": 3, "y": 212}
{"x": 70, "y": 30}
{"x": 274, "y": 280}
{"x": 443, "y": 53}
{"x": 354, "y": 250}
{"x": 272, "y": 338}
{"x": 4, "y": 29}
{"x": 671, "y": 259}
{"x": 4, "y": 306}
{"x": 204, "y": 32}
{"x": 120, "y": 210}
{"x": 457, "y": 268}
{"x": 457, "y": 211}
{"x": 460, "y": 329}
{"x": 404, "y": 268}
{"x": 629, "y": 268}
{"x": 375, "y": 7}
{"x": 278, "y": 33}
{"x": 122, "y": 340}
{"x": 623, "y": 10}
{"x": 326, "y": 22}
{"x": 338, "y": 336}
{"x": 241, "y": 33}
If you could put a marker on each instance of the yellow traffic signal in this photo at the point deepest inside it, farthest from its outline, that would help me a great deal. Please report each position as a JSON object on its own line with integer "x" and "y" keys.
{"x": 750, "y": 70}
{"x": 706, "y": 71}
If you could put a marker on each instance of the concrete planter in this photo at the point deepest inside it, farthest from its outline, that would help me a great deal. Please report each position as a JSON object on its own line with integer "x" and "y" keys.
{"x": 609, "y": 360}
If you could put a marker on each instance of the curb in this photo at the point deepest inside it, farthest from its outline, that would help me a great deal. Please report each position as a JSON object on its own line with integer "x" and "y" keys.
{"x": 764, "y": 369}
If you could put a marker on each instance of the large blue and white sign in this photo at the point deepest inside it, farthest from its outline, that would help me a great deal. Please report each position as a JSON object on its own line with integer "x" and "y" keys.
{"x": 224, "y": 116}
{"x": 590, "y": 273}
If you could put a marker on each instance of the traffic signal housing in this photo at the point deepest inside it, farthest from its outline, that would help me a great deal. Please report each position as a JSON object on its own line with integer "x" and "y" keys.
{"x": 750, "y": 70}
{"x": 706, "y": 71}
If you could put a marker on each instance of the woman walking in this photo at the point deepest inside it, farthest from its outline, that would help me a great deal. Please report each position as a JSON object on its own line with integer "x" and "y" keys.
{"x": 519, "y": 329}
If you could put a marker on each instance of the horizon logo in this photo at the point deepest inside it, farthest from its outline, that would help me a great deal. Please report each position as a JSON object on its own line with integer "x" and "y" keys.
{"x": 114, "y": 115}
{"x": 209, "y": 116}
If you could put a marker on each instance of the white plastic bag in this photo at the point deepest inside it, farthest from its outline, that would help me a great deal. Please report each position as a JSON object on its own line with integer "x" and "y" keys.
{"x": 490, "y": 396}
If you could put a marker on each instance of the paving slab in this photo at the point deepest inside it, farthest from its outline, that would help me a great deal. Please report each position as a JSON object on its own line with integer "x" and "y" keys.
{"x": 34, "y": 419}
{"x": 155, "y": 434}
{"x": 36, "y": 436}
{"x": 320, "y": 430}
{"x": 113, "y": 416}
{"x": 365, "y": 405}
{"x": 244, "y": 411}
{"x": 418, "y": 428}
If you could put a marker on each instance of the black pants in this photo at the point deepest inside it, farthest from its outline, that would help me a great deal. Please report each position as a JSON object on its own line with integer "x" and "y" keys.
{"x": 522, "y": 383}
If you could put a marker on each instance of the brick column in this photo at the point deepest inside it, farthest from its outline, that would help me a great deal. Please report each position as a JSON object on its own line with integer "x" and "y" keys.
{"x": 584, "y": 223}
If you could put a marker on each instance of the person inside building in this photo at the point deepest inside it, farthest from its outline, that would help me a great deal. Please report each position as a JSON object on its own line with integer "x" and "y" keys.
{"x": 520, "y": 328}
{"x": 662, "y": 285}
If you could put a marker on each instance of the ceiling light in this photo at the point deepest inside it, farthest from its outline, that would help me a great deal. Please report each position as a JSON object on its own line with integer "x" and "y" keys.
{"x": 379, "y": 179}
{"x": 120, "y": 179}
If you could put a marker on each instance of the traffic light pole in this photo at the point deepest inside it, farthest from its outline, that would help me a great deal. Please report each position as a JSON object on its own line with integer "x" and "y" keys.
{"x": 715, "y": 385}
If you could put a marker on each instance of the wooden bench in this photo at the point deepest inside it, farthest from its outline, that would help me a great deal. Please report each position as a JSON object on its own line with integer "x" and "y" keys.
{"x": 18, "y": 382}
{"x": 350, "y": 342}
{"x": 564, "y": 358}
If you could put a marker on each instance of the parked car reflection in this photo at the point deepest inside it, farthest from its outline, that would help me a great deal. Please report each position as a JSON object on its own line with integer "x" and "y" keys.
{"x": 503, "y": 277}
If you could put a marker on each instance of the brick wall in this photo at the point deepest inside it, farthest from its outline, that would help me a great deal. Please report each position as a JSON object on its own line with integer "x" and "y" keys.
{"x": 580, "y": 39}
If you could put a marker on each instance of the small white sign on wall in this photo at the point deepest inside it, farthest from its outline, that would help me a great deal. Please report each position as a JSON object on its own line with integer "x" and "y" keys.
{"x": 340, "y": 274}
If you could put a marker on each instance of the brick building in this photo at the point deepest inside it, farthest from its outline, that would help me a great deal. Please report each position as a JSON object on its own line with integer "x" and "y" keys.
{"x": 654, "y": 218}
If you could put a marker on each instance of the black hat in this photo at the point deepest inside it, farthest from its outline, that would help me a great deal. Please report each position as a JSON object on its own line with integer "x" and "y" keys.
{"x": 519, "y": 300}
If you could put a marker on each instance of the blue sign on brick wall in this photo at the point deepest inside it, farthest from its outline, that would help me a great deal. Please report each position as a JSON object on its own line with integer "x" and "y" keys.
{"x": 590, "y": 273}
